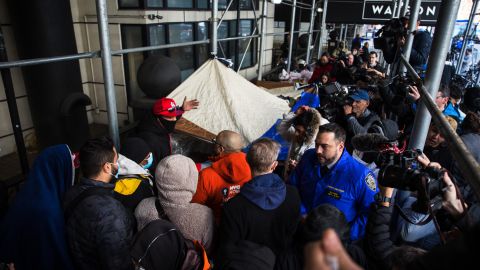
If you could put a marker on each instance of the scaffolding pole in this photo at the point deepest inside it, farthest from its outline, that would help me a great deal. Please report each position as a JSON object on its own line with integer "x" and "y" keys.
{"x": 13, "y": 110}
{"x": 323, "y": 29}
{"x": 412, "y": 26}
{"x": 263, "y": 40}
{"x": 102, "y": 18}
{"x": 290, "y": 47}
{"x": 310, "y": 32}
{"x": 213, "y": 43}
{"x": 465, "y": 38}
{"x": 436, "y": 63}
{"x": 341, "y": 32}
{"x": 466, "y": 162}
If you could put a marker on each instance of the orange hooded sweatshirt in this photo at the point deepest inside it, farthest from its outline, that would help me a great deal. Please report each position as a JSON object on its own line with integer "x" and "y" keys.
{"x": 222, "y": 181}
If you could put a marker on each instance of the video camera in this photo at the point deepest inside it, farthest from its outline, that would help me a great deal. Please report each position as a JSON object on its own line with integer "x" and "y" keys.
{"x": 401, "y": 86}
{"x": 400, "y": 169}
{"x": 387, "y": 38}
{"x": 333, "y": 97}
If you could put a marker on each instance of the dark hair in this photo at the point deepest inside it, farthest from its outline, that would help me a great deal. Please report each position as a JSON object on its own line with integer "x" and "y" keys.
{"x": 94, "y": 154}
{"x": 471, "y": 123}
{"x": 401, "y": 256}
{"x": 334, "y": 128}
{"x": 325, "y": 216}
{"x": 373, "y": 52}
{"x": 262, "y": 154}
{"x": 445, "y": 90}
{"x": 303, "y": 119}
{"x": 456, "y": 91}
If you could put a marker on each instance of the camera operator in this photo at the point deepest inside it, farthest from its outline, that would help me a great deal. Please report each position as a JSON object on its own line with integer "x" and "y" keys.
{"x": 422, "y": 42}
{"x": 359, "y": 118}
{"x": 345, "y": 70}
{"x": 379, "y": 245}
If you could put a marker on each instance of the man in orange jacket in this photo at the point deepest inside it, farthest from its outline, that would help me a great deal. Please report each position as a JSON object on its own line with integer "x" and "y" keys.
{"x": 222, "y": 181}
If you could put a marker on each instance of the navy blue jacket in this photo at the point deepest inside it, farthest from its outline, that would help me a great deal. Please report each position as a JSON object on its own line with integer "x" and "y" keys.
{"x": 349, "y": 186}
{"x": 32, "y": 234}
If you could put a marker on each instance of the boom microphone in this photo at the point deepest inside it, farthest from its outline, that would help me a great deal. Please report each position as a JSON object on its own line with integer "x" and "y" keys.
{"x": 370, "y": 142}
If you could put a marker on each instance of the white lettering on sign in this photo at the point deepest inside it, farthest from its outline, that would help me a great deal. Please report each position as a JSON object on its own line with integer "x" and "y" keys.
{"x": 388, "y": 11}
{"x": 377, "y": 9}
{"x": 431, "y": 10}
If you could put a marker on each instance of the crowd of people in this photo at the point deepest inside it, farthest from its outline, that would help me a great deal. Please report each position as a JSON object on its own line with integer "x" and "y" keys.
{"x": 324, "y": 207}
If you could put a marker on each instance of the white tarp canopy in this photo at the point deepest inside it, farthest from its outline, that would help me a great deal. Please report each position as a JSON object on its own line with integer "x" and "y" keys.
{"x": 229, "y": 102}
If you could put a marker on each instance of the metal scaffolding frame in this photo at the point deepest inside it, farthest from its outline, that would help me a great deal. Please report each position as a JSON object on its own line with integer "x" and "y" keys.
{"x": 439, "y": 48}
{"x": 412, "y": 26}
{"x": 466, "y": 36}
{"x": 105, "y": 53}
{"x": 436, "y": 63}
{"x": 469, "y": 167}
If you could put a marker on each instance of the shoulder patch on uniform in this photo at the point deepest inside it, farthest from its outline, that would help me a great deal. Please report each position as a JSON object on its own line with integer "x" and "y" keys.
{"x": 370, "y": 181}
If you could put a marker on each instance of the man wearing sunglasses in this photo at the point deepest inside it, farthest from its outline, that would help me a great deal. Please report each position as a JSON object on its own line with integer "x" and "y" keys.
{"x": 156, "y": 127}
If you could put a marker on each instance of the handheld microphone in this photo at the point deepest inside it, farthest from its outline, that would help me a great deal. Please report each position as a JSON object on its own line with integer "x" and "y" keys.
{"x": 370, "y": 142}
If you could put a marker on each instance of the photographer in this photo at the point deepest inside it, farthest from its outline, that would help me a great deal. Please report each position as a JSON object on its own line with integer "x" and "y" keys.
{"x": 379, "y": 245}
{"x": 436, "y": 147}
{"x": 345, "y": 70}
{"x": 360, "y": 120}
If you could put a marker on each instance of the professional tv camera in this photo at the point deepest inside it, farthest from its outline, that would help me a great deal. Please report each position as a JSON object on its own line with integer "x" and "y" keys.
{"x": 401, "y": 86}
{"x": 333, "y": 97}
{"x": 387, "y": 38}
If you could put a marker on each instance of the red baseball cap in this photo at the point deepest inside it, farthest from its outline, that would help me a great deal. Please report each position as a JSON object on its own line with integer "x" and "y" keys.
{"x": 166, "y": 107}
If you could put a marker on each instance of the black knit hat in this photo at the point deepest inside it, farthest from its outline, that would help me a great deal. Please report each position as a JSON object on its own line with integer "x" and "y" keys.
{"x": 135, "y": 149}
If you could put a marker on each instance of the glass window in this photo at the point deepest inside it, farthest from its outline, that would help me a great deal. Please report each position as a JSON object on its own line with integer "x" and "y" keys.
{"x": 222, "y": 4}
{"x": 245, "y": 30}
{"x": 132, "y": 36}
{"x": 183, "y": 56}
{"x": 232, "y": 33}
{"x": 180, "y": 3}
{"x": 155, "y": 3}
{"x": 156, "y": 36}
{"x": 202, "y": 50}
{"x": 246, "y": 4}
{"x": 202, "y": 4}
{"x": 129, "y": 3}
{"x": 223, "y": 46}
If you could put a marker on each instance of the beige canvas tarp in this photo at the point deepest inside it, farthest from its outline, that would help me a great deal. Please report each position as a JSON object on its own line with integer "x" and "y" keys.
{"x": 229, "y": 102}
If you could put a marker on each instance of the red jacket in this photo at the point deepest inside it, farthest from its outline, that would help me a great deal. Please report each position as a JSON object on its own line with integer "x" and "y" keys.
{"x": 222, "y": 181}
{"x": 319, "y": 71}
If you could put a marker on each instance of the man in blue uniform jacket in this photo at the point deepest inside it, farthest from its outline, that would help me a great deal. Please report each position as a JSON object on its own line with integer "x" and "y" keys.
{"x": 328, "y": 174}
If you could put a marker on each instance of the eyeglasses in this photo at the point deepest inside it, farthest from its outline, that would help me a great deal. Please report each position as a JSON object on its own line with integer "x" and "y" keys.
{"x": 214, "y": 141}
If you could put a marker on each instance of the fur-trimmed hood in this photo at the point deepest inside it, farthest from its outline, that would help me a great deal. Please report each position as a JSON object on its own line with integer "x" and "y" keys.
{"x": 288, "y": 131}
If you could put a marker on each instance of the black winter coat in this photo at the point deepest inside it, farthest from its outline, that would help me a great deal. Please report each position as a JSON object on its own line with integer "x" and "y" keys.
{"x": 99, "y": 229}
{"x": 244, "y": 220}
{"x": 157, "y": 138}
{"x": 422, "y": 42}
